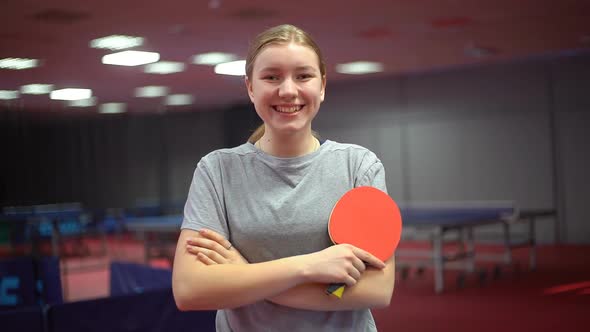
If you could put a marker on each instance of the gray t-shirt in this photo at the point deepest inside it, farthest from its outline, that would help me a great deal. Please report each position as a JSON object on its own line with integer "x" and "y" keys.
{"x": 271, "y": 208}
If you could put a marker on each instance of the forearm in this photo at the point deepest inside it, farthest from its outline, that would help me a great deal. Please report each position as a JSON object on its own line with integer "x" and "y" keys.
{"x": 373, "y": 290}
{"x": 200, "y": 283}
{"x": 197, "y": 286}
{"x": 228, "y": 286}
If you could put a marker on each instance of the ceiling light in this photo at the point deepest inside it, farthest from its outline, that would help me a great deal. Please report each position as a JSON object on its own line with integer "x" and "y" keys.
{"x": 18, "y": 63}
{"x": 179, "y": 99}
{"x": 70, "y": 94}
{"x": 151, "y": 91}
{"x": 235, "y": 68}
{"x": 164, "y": 67}
{"x": 112, "y": 108}
{"x": 214, "y": 4}
{"x": 130, "y": 58}
{"x": 36, "y": 89}
{"x": 116, "y": 42}
{"x": 476, "y": 51}
{"x": 83, "y": 102}
{"x": 213, "y": 58}
{"x": 8, "y": 94}
{"x": 359, "y": 67}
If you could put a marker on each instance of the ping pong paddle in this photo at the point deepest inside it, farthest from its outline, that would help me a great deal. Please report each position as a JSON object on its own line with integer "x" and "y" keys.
{"x": 367, "y": 218}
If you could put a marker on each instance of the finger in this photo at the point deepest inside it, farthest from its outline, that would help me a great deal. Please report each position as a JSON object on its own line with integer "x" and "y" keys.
{"x": 208, "y": 244}
{"x": 205, "y": 260}
{"x": 350, "y": 281}
{"x": 359, "y": 265}
{"x": 368, "y": 258}
{"x": 354, "y": 273}
{"x": 215, "y": 237}
{"x": 214, "y": 256}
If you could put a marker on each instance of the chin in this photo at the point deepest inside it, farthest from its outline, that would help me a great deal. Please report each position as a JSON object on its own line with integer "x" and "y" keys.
{"x": 289, "y": 129}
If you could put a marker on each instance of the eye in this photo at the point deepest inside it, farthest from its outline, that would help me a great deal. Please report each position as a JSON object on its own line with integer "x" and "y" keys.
{"x": 304, "y": 76}
{"x": 270, "y": 77}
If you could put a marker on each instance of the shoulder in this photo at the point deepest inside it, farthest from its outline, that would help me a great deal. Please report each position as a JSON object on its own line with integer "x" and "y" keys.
{"x": 222, "y": 160}
{"x": 225, "y": 154}
{"x": 351, "y": 151}
{"x": 357, "y": 158}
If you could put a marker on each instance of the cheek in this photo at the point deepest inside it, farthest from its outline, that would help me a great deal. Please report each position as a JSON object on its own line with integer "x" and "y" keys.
{"x": 316, "y": 94}
{"x": 262, "y": 93}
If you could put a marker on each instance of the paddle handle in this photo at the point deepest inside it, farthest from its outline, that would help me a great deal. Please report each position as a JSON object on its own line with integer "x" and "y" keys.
{"x": 336, "y": 290}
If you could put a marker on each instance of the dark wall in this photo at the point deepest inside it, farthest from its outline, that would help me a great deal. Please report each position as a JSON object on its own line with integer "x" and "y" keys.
{"x": 110, "y": 160}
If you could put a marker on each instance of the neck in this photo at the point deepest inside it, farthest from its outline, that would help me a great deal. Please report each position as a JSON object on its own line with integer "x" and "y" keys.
{"x": 288, "y": 146}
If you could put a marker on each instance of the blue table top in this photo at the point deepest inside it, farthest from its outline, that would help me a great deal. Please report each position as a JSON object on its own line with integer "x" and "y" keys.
{"x": 452, "y": 216}
{"x": 410, "y": 216}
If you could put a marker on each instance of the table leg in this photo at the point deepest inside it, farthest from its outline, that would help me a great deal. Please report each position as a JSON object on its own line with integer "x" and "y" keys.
{"x": 533, "y": 245}
{"x": 507, "y": 243}
{"x": 438, "y": 260}
{"x": 470, "y": 249}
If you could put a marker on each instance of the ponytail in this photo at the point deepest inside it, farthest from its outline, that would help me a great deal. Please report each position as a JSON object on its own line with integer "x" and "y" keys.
{"x": 257, "y": 134}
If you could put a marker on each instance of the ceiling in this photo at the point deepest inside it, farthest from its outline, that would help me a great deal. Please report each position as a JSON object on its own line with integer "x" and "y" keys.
{"x": 406, "y": 36}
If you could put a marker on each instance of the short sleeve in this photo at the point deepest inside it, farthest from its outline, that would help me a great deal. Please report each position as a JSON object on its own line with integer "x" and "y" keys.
{"x": 372, "y": 173}
{"x": 204, "y": 206}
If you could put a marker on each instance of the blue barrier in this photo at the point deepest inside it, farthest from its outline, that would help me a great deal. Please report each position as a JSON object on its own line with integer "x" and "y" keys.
{"x": 49, "y": 280}
{"x": 29, "y": 319}
{"x": 143, "y": 301}
{"x": 26, "y": 281}
{"x": 146, "y": 312}
{"x": 129, "y": 278}
{"x": 17, "y": 283}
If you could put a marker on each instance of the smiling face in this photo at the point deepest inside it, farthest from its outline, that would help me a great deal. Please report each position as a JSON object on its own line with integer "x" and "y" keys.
{"x": 286, "y": 87}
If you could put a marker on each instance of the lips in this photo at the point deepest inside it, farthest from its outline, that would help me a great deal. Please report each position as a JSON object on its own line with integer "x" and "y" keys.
{"x": 288, "y": 109}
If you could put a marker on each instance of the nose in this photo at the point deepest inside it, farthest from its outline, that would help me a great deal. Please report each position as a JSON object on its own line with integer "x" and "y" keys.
{"x": 287, "y": 89}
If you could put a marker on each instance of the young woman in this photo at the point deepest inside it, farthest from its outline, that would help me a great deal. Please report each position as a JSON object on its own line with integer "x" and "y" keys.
{"x": 254, "y": 243}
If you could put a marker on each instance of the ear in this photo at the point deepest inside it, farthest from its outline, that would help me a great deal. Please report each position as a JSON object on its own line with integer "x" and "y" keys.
{"x": 323, "y": 91}
{"x": 249, "y": 88}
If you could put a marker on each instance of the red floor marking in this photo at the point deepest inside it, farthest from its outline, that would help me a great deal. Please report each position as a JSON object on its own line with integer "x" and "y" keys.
{"x": 567, "y": 287}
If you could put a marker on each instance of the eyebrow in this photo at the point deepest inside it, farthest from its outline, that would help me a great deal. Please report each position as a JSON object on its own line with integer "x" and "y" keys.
{"x": 299, "y": 68}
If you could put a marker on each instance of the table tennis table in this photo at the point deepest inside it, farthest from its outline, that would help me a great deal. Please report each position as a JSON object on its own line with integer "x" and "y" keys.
{"x": 64, "y": 225}
{"x": 30, "y": 224}
{"x": 438, "y": 219}
{"x": 154, "y": 231}
{"x": 435, "y": 219}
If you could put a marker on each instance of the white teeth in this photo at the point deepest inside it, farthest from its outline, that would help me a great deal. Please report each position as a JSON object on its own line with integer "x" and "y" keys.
{"x": 291, "y": 109}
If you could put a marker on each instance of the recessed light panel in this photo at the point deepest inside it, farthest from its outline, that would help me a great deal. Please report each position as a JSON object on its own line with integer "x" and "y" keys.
{"x": 130, "y": 58}
{"x": 151, "y": 91}
{"x": 359, "y": 67}
{"x": 112, "y": 108}
{"x": 70, "y": 94}
{"x": 117, "y": 42}
{"x": 36, "y": 89}
{"x": 165, "y": 67}
{"x": 8, "y": 94}
{"x": 213, "y": 58}
{"x": 179, "y": 99}
{"x": 476, "y": 51}
{"x": 18, "y": 63}
{"x": 234, "y": 68}
{"x": 83, "y": 102}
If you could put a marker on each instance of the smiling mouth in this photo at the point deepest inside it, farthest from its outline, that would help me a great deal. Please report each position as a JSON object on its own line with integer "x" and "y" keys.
{"x": 288, "y": 109}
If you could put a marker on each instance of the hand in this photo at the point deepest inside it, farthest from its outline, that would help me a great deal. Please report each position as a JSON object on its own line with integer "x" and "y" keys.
{"x": 212, "y": 248}
{"x": 343, "y": 263}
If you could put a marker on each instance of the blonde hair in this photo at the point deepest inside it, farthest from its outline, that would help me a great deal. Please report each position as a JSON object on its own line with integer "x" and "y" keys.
{"x": 281, "y": 34}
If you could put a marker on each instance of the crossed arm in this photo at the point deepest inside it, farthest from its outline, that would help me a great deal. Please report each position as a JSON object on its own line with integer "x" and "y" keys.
{"x": 206, "y": 275}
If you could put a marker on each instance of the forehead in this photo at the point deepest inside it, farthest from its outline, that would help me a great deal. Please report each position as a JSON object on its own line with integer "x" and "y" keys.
{"x": 286, "y": 56}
